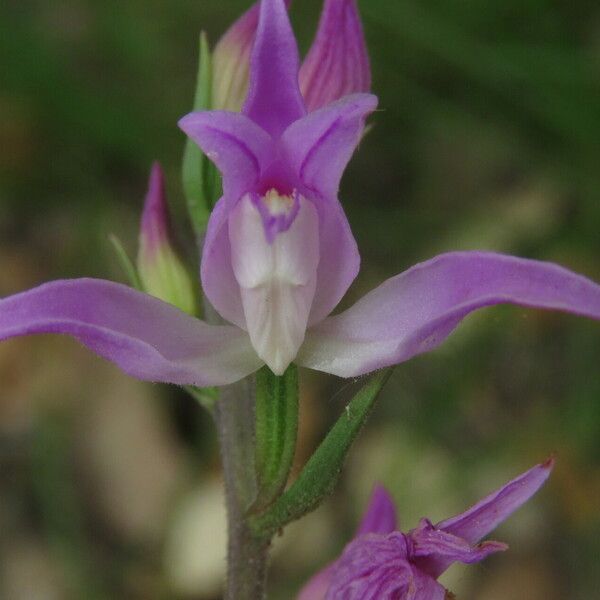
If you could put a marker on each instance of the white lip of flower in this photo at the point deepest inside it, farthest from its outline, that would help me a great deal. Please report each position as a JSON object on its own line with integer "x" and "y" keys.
{"x": 277, "y": 278}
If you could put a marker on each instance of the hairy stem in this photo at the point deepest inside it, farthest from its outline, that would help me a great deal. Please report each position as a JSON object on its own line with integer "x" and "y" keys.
{"x": 247, "y": 554}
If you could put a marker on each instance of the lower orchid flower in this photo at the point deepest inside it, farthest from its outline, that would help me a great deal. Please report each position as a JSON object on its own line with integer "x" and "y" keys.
{"x": 382, "y": 563}
{"x": 279, "y": 256}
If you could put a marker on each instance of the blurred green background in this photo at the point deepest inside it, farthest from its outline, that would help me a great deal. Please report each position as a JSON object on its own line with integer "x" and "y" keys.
{"x": 488, "y": 137}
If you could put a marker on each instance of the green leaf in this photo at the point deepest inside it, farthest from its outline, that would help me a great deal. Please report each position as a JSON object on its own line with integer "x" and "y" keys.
{"x": 276, "y": 431}
{"x": 199, "y": 176}
{"x": 125, "y": 262}
{"x": 319, "y": 477}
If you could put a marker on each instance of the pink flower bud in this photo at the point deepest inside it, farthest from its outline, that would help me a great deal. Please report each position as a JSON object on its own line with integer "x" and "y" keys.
{"x": 161, "y": 271}
{"x": 337, "y": 63}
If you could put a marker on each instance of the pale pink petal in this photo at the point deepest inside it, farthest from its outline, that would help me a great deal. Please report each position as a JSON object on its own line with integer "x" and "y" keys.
{"x": 147, "y": 338}
{"x": 319, "y": 146}
{"x": 239, "y": 147}
{"x": 339, "y": 259}
{"x": 415, "y": 312}
{"x": 218, "y": 280}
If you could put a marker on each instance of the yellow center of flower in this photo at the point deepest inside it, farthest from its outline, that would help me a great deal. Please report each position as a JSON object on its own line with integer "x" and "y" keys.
{"x": 277, "y": 204}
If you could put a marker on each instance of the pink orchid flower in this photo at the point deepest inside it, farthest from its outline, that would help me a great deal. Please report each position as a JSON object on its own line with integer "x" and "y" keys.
{"x": 382, "y": 563}
{"x": 279, "y": 254}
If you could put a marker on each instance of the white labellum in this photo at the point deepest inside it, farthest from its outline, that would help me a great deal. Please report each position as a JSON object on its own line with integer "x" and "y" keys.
{"x": 277, "y": 279}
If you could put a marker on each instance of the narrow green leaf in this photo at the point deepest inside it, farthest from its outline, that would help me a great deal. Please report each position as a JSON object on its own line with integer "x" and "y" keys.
{"x": 125, "y": 262}
{"x": 276, "y": 431}
{"x": 319, "y": 476}
{"x": 198, "y": 173}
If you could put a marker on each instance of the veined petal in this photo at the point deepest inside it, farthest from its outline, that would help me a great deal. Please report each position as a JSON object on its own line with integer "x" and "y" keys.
{"x": 145, "y": 337}
{"x": 337, "y": 63}
{"x": 277, "y": 277}
{"x": 415, "y": 312}
{"x": 486, "y": 515}
{"x": 433, "y": 543}
{"x": 380, "y": 516}
{"x": 274, "y": 99}
{"x": 373, "y": 567}
{"x": 320, "y": 145}
{"x": 426, "y": 588}
{"x": 239, "y": 148}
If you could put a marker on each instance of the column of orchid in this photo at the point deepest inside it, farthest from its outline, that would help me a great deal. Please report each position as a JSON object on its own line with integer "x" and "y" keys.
{"x": 270, "y": 138}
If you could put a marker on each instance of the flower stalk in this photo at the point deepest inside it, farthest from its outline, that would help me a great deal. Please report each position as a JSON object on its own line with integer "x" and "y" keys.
{"x": 247, "y": 553}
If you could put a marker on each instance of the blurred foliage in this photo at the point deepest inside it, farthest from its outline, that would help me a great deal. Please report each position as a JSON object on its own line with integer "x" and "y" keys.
{"x": 487, "y": 137}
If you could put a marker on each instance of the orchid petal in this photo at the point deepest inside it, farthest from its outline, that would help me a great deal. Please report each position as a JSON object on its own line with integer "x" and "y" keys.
{"x": 218, "y": 279}
{"x": 373, "y": 567}
{"x": 415, "y": 311}
{"x": 337, "y": 63}
{"x": 320, "y": 145}
{"x": 339, "y": 260}
{"x": 274, "y": 99}
{"x": 318, "y": 148}
{"x": 486, "y": 515}
{"x": 239, "y": 148}
{"x": 380, "y": 516}
{"x": 433, "y": 543}
{"x": 426, "y": 588}
{"x": 145, "y": 337}
{"x": 277, "y": 278}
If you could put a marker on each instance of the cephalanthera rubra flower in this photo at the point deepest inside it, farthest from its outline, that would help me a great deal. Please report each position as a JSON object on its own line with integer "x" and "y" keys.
{"x": 279, "y": 255}
{"x": 382, "y": 563}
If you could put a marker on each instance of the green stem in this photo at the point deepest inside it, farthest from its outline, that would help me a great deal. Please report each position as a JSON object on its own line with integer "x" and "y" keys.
{"x": 247, "y": 553}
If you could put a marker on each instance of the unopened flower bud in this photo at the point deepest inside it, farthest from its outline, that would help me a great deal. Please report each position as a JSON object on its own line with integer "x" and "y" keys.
{"x": 337, "y": 63}
{"x": 231, "y": 63}
{"x": 161, "y": 271}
